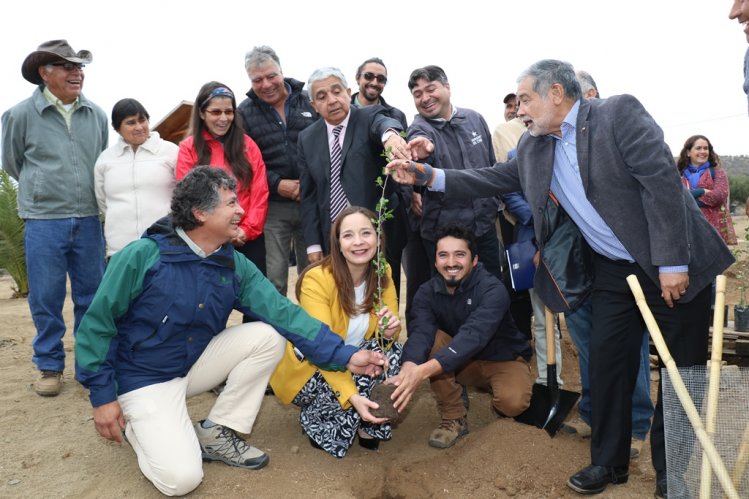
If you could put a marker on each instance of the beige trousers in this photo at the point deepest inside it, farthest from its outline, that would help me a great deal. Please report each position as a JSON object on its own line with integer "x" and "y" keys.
{"x": 158, "y": 426}
{"x": 510, "y": 383}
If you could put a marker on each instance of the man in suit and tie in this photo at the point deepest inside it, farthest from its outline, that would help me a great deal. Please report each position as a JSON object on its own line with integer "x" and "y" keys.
{"x": 340, "y": 156}
{"x": 600, "y": 176}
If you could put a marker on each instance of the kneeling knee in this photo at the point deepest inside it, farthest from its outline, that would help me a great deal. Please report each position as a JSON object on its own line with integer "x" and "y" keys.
{"x": 512, "y": 406}
{"x": 179, "y": 482}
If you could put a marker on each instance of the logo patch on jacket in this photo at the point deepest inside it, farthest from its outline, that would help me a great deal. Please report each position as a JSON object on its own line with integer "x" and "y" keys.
{"x": 306, "y": 114}
{"x": 476, "y": 139}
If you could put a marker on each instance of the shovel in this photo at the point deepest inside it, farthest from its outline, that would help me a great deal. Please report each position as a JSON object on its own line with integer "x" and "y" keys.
{"x": 549, "y": 404}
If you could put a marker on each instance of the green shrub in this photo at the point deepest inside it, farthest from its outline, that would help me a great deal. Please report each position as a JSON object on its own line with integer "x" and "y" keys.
{"x": 12, "y": 254}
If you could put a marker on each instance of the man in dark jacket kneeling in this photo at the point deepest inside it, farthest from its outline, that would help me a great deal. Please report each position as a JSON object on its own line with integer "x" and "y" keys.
{"x": 462, "y": 333}
{"x": 155, "y": 334}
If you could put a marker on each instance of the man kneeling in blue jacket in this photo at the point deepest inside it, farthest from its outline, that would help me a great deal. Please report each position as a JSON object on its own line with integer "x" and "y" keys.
{"x": 155, "y": 334}
{"x": 461, "y": 333}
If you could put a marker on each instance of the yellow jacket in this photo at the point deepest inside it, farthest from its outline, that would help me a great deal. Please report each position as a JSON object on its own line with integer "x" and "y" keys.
{"x": 319, "y": 297}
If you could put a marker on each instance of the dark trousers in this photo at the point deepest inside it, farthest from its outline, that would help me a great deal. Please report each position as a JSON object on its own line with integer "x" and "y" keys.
{"x": 614, "y": 355}
{"x": 416, "y": 266}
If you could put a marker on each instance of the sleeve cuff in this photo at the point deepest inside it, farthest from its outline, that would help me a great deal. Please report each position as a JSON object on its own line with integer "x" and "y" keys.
{"x": 438, "y": 185}
{"x": 673, "y": 269}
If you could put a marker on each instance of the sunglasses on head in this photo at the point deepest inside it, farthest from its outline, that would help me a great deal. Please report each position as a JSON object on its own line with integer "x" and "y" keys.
{"x": 371, "y": 76}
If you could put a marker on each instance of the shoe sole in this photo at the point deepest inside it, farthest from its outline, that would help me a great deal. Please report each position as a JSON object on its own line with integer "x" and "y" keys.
{"x": 440, "y": 445}
{"x": 47, "y": 393}
{"x": 263, "y": 461}
{"x": 590, "y": 492}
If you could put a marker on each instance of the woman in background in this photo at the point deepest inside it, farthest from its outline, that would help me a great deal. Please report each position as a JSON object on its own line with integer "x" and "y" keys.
{"x": 702, "y": 174}
{"x": 340, "y": 291}
{"x": 217, "y": 139}
{"x": 134, "y": 178}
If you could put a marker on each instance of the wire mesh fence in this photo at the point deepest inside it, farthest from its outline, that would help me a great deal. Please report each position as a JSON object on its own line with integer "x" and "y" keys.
{"x": 731, "y": 437}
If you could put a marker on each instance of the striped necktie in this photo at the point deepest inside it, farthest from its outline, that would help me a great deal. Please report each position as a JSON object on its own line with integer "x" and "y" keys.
{"x": 338, "y": 199}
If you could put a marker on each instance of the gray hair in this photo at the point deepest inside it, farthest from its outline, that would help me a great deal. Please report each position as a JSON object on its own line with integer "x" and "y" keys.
{"x": 587, "y": 83}
{"x": 323, "y": 73}
{"x": 550, "y": 71}
{"x": 260, "y": 55}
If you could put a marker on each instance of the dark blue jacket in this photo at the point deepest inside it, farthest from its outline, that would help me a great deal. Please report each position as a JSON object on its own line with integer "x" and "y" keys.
{"x": 476, "y": 316}
{"x": 160, "y": 304}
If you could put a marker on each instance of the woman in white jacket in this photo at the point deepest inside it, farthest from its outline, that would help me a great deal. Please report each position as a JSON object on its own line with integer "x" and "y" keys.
{"x": 134, "y": 178}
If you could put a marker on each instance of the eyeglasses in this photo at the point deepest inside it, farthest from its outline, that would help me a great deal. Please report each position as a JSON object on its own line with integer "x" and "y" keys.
{"x": 371, "y": 76}
{"x": 218, "y": 112}
{"x": 68, "y": 66}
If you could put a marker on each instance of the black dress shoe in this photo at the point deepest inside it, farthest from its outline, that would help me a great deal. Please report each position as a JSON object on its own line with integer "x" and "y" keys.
{"x": 593, "y": 479}
{"x": 369, "y": 443}
{"x": 679, "y": 486}
{"x": 661, "y": 486}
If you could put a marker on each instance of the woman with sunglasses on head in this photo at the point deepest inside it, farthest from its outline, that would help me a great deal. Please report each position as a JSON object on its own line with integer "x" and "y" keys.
{"x": 217, "y": 139}
{"x": 339, "y": 290}
{"x": 134, "y": 178}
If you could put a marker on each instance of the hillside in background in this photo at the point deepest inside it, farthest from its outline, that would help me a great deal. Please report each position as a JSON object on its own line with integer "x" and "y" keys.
{"x": 736, "y": 165}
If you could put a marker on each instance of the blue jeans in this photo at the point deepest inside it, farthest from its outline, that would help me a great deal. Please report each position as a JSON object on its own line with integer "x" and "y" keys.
{"x": 579, "y": 327}
{"x": 55, "y": 249}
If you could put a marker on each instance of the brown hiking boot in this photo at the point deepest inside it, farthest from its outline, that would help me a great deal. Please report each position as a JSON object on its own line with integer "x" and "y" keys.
{"x": 448, "y": 432}
{"x": 49, "y": 384}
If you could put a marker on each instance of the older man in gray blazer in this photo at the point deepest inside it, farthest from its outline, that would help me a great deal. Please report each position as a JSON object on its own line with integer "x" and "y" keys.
{"x": 607, "y": 203}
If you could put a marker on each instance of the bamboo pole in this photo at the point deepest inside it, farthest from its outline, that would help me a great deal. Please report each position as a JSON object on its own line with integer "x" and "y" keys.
{"x": 681, "y": 390}
{"x": 741, "y": 459}
{"x": 713, "y": 387}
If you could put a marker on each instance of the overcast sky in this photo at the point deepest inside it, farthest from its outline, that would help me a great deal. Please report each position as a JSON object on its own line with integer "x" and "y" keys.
{"x": 682, "y": 59}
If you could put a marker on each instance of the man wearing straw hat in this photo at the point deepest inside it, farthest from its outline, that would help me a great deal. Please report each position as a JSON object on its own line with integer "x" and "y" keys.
{"x": 607, "y": 203}
{"x": 50, "y": 143}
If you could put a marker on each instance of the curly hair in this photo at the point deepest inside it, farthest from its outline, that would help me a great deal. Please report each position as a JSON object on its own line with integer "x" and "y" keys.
{"x": 199, "y": 190}
{"x": 457, "y": 231}
{"x": 683, "y": 161}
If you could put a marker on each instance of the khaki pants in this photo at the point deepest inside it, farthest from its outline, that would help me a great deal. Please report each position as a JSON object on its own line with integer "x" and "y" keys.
{"x": 158, "y": 426}
{"x": 510, "y": 383}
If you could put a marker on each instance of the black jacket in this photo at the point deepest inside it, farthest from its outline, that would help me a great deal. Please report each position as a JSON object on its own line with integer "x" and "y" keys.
{"x": 277, "y": 143}
{"x": 476, "y": 316}
{"x": 391, "y": 111}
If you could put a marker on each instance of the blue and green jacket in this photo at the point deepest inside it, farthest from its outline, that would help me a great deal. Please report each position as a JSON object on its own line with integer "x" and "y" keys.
{"x": 159, "y": 305}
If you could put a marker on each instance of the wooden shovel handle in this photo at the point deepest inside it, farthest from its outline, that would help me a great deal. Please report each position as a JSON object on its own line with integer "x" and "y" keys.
{"x": 551, "y": 347}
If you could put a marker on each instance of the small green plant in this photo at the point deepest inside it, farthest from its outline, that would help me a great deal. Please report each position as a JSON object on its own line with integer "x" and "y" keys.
{"x": 12, "y": 254}
{"x": 384, "y": 213}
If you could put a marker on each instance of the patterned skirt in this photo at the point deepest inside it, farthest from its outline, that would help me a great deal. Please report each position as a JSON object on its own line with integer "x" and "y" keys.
{"x": 326, "y": 422}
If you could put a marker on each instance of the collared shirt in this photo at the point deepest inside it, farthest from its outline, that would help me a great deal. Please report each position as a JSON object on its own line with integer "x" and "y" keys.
{"x": 191, "y": 244}
{"x": 65, "y": 109}
{"x": 567, "y": 186}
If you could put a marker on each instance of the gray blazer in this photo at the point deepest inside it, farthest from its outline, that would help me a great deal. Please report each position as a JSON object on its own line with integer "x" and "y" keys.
{"x": 631, "y": 180}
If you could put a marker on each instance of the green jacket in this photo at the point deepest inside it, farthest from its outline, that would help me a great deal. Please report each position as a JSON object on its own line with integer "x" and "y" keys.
{"x": 54, "y": 166}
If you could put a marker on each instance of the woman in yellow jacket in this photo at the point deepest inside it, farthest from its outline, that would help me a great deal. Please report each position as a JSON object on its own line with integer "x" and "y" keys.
{"x": 340, "y": 291}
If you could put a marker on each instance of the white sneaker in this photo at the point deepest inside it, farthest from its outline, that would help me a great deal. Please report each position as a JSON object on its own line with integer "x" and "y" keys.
{"x": 219, "y": 443}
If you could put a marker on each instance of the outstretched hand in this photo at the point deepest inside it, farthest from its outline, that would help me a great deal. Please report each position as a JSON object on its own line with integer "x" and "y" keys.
{"x": 367, "y": 362}
{"x": 409, "y": 172}
{"x": 421, "y": 147}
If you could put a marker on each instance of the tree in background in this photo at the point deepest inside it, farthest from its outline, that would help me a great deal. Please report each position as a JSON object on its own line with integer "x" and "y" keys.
{"x": 12, "y": 254}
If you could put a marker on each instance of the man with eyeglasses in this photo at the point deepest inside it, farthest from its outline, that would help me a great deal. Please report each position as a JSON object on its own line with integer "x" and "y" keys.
{"x": 50, "y": 143}
{"x": 275, "y": 111}
{"x": 371, "y": 76}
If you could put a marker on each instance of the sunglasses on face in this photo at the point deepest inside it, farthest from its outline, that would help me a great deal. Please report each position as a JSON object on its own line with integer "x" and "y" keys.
{"x": 371, "y": 76}
{"x": 68, "y": 66}
{"x": 219, "y": 112}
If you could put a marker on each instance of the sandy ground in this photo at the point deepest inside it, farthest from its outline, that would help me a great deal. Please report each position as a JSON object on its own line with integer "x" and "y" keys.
{"x": 50, "y": 448}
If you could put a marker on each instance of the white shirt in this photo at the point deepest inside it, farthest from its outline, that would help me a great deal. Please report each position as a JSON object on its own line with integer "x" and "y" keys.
{"x": 357, "y": 325}
{"x": 134, "y": 190}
